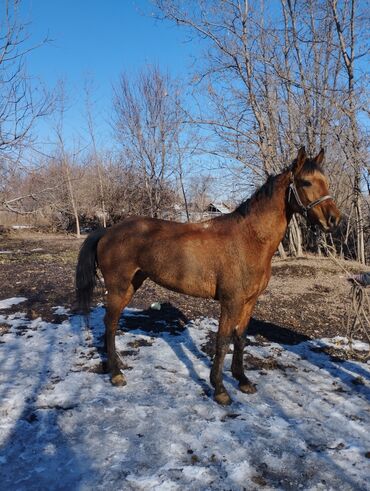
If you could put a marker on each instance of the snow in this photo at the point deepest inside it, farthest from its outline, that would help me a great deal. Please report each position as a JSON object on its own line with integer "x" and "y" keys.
{"x": 343, "y": 343}
{"x": 63, "y": 426}
{"x": 5, "y": 304}
{"x": 60, "y": 310}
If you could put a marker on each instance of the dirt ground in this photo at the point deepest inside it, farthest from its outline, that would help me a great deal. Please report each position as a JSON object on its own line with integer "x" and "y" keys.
{"x": 306, "y": 297}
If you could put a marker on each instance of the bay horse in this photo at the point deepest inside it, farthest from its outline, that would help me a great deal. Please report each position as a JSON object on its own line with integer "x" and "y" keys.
{"x": 227, "y": 258}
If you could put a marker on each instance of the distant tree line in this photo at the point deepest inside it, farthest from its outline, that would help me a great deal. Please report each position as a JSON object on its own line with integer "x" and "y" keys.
{"x": 273, "y": 76}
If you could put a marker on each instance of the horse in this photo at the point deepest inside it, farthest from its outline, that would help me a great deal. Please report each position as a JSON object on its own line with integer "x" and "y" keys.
{"x": 227, "y": 258}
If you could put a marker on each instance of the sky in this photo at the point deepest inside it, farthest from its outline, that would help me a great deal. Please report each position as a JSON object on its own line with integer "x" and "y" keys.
{"x": 98, "y": 40}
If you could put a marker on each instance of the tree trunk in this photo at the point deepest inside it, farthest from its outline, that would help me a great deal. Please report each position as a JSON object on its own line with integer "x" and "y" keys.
{"x": 73, "y": 201}
{"x": 295, "y": 238}
{"x": 282, "y": 252}
{"x": 359, "y": 231}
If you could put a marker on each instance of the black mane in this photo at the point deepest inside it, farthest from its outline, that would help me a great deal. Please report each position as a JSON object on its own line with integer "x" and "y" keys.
{"x": 265, "y": 191}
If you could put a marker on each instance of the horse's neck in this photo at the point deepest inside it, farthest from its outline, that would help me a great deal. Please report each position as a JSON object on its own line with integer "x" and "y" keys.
{"x": 269, "y": 218}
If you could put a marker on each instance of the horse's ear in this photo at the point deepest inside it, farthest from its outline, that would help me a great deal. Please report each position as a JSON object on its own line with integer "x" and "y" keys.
{"x": 320, "y": 157}
{"x": 299, "y": 161}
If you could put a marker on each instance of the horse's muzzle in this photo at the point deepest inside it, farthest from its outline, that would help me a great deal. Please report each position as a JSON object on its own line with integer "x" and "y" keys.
{"x": 331, "y": 222}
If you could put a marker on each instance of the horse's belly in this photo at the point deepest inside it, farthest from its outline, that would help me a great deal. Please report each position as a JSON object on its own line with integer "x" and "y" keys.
{"x": 194, "y": 286}
{"x": 183, "y": 274}
{"x": 183, "y": 266}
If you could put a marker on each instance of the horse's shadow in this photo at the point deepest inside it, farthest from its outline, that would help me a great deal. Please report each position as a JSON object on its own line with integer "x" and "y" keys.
{"x": 169, "y": 323}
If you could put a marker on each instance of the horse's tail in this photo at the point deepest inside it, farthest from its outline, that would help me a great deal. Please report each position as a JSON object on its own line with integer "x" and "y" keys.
{"x": 86, "y": 270}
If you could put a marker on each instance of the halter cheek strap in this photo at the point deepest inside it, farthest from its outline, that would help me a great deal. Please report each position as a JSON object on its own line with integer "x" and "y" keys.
{"x": 307, "y": 208}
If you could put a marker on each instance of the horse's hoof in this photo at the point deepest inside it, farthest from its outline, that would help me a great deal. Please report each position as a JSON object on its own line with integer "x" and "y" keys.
{"x": 118, "y": 380}
{"x": 248, "y": 388}
{"x": 223, "y": 399}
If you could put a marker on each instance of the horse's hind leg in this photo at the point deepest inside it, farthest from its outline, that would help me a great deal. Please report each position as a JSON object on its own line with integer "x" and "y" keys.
{"x": 117, "y": 299}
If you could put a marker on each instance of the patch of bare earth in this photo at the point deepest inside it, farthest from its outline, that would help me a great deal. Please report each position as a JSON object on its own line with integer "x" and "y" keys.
{"x": 306, "y": 297}
{"x": 40, "y": 268}
{"x": 309, "y": 295}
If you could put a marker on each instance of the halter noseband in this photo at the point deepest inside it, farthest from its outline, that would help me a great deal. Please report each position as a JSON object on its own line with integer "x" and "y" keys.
{"x": 307, "y": 208}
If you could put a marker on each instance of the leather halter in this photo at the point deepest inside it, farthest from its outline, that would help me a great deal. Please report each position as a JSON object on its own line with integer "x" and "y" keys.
{"x": 307, "y": 208}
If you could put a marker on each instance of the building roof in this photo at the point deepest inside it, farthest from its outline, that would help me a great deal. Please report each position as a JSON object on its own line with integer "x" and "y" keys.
{"x": 217, "y": 208}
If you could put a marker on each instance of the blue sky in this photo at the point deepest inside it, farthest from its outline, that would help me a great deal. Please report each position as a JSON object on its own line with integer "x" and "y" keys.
{"x": 100, "y": 39}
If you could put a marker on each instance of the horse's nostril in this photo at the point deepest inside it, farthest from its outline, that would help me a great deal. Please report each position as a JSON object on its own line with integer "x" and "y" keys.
{"x": 332, "y": 221}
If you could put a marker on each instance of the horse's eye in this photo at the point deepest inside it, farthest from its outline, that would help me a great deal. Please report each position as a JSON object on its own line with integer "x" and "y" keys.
{"x": 305, "y": 183}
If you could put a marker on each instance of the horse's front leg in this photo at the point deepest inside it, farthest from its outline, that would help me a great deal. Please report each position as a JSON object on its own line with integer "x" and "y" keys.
{"x": 230, "y": 314}
{"x": 222, "y": 346}
{"x": 237, "y": 365}
{"x": 237, "y": 368}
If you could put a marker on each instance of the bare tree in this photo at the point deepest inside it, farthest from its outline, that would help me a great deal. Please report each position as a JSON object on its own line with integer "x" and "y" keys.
{"x": 66, "y": 158}
{"x": 20, "y": 103}
{"x": 95, "y": 155}
{"x": 147, "y": 124}
{"x": 345, "y": 19}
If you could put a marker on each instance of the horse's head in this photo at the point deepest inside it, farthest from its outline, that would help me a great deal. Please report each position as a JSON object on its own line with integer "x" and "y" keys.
{"x": 309, "y": 192}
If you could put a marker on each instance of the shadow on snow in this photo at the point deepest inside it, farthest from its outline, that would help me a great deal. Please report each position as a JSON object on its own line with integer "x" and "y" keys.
{"x": 36, "y": 454}
{"x": 37, "y": 451}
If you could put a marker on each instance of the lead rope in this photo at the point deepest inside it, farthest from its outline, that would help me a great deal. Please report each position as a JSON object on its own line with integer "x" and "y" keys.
{"x": 358, "y": 312}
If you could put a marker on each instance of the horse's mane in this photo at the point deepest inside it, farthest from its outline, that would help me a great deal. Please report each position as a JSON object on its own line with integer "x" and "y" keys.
{"x": 266, "y": 190}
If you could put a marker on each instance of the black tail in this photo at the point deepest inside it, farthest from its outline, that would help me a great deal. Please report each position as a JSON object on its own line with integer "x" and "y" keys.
{"x": 86, "y": 270}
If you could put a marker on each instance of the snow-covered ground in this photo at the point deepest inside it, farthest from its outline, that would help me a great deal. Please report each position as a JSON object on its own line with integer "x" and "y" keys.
{"x": 63, "y": 426}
